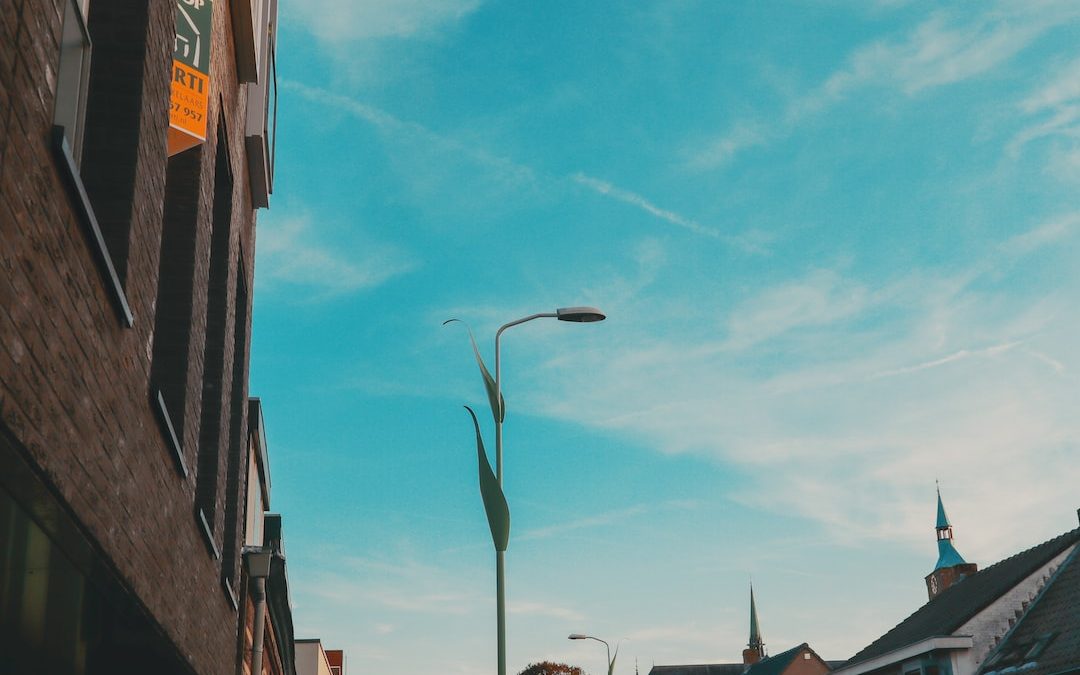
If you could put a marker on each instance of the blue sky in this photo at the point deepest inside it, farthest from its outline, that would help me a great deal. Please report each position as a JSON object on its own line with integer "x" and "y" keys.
{"x": 837, "y": 244}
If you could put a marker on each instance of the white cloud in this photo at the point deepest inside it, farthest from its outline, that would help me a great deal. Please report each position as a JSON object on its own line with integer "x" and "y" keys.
{"x": 357, "y": 20}
{"x": 1062, "y": 88}
{"x": 1043, "y": 235}
{"x": 821, "y": 298}
{"x": 940, "y": 51}
{"x": 845, "y": 399}
{"x": 1053, "y": 111}
{"x": 601, "y": 520}
{"x": 946, "y": 48}
{"x": 960, "y": 355}
{"x": 289, "y": 254}
{"x": 721, "y": 150}
{"x": 542, "y": 609}
{"x": 751, "y": 243}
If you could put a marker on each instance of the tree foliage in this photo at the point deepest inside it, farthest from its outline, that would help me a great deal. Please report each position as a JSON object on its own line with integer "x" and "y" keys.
{"x": 549, "y": 668}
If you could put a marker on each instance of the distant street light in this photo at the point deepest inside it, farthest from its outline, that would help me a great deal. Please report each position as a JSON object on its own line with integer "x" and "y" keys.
{"x": 610, "y": 658}
{"x": 495, "y": 506}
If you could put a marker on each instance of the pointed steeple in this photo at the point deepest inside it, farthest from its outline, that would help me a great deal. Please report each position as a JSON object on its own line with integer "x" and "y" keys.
{"x": 755, "y": 629}
{"x": 756, "y": 646}
{"x": 948, "y": 556}
{"x": 942, "y": 519}
{"x": 951, "y": 568}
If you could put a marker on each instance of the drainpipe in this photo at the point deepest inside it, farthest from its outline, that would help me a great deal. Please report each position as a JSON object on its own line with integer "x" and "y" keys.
{"x": 257, "y": 559}
{"x": 260, "y": 621}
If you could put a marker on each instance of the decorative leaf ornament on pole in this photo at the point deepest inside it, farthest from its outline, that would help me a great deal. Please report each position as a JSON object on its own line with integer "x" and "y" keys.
{"x": 498, "y": 512}
{"x": 495, "y": 504}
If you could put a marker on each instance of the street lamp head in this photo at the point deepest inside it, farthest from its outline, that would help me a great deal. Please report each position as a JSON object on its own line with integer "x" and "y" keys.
{"x": 577, "y": 636}
{"x": 579, "y": 315}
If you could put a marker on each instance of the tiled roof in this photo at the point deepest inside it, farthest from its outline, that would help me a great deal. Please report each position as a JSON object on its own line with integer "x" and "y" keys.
{"x": 1047, "y": 639}
{"x": 958, "y": 603}
{"x": 700, "y": 669}
{"x": 772, "y": 665}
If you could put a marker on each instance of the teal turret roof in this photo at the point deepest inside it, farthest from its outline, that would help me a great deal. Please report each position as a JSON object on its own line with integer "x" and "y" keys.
{"x": 942, "y": 519}
{"x": 948, "y": 556}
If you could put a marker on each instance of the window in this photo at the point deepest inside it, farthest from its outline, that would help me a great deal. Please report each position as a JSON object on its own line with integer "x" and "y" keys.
{"x": 73, "y": 77}
{"x": 97, "y": 115}
{"x": 261, "y": 123}
{"x": 258, "y": 477}
{"x": 212, "y": 420}
{"x": 253, "y": 522}
{"x": 249, "y": 31}
{"x": 175, "y": 299}
{"x": 235, "y": 500}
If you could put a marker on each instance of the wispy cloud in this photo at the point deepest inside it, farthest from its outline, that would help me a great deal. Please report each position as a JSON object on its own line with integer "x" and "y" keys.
{"x": 290, "y": 254}
{"x": 946, "y": 48}
{"x": 525, "y": 608}
{"x": 823, "y": 297}
{"x": 874, "y": 387}
{"x": 358, "y": 20}
{"x": 1042, "y": 235}
{"x": 722, "y": 149}
{"x": 1052, "y": 110}
{"x": 750, "y": 243}
{"x": 609, "y": 190}
{"x": 942, "y": 50}
{"x": 601, "y": 519}
{"x": 434, "y": 143}
{"x": 951, "y": 358}
{"x": 503, "y": 173}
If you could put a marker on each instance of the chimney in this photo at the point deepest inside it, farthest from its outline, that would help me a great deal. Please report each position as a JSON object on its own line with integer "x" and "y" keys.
{"x": 751, "y": 656}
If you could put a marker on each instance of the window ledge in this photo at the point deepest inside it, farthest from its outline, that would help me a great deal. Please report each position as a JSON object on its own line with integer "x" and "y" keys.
{"x": 91, "y": 229}
{"x": 258, "y": 157}
{"x": 208, "y": 534}
{"x": 230, "y": 594}
{"x": 170, "y": 434}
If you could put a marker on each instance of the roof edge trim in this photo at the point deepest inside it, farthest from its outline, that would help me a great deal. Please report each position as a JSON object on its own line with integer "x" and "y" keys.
{"x": 907, "y": 651}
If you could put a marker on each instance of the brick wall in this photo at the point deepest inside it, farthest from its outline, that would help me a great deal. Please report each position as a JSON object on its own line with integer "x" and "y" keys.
{"x": 75, "y": 381}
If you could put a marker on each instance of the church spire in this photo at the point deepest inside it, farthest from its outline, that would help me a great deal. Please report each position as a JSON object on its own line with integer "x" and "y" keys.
{"x": 951, "y": 566}
{"x": 756, "y": 645}
{"x": 948, "y": 556}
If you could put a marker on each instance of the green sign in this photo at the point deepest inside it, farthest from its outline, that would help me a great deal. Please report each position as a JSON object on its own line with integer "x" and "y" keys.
{"x": 194, "y": 19}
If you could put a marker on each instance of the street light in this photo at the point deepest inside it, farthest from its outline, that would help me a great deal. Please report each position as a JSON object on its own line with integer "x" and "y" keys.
{"x": 610, "y": 658}
{"x": 500, "y": 529}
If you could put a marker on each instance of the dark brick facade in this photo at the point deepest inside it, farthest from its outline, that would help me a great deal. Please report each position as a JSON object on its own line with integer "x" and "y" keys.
{"x": 78, "y": 385}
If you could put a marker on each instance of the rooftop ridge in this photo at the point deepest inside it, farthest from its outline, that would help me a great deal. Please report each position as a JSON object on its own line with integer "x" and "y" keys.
{"x": 954, "y": 617}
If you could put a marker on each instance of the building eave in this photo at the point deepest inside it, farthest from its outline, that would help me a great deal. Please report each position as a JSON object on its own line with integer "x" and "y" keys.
{"x": 906, "y": 652}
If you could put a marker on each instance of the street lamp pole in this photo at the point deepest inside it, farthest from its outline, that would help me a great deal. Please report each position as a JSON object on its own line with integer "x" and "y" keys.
{"x": 572, "y": 314}
{"x": 610, "y": 661}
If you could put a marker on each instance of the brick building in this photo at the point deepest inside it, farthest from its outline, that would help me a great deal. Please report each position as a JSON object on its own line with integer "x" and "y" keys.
{"x": 136, "y": 142}
{"x": 313, "y": 659}
{"x": 265, "y": 639}
{"x": 799, "y": 660}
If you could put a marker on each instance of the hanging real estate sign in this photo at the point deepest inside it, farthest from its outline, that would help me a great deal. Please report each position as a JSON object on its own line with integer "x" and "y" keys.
{"x": 191, "y": 74}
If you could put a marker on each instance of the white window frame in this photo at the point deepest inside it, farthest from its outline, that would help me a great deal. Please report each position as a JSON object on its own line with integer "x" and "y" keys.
{"x": 254, "y": 507}
{"x": 73, "y": 75}
{"x": 261, "y": 119}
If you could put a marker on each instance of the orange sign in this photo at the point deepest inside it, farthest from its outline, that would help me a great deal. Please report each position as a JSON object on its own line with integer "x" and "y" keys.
{"x": 190, "y": 75}
{"x": 187, "y": 114}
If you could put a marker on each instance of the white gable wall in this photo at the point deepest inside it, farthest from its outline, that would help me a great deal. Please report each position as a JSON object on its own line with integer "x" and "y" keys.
{"x": 991, "y": 623}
